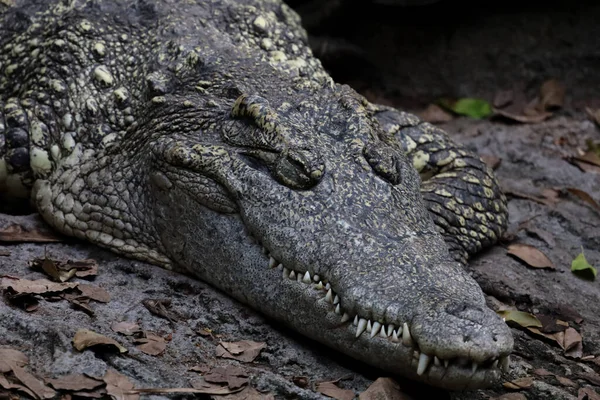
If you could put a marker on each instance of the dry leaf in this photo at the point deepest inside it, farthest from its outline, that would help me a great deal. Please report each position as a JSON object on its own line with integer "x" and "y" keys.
{"x": 118, "y": 386}
{"x": 589, "y": 157}
{"x": 435, "y": 114}
{"x": 32, "y": 383}
{"x": 593, "y": 114}
{"x": 235, "y": 377}
{"x": 126, "y": 328}
{"x": 244, "y": 350}
{"x": 503, "y": 98}
{"x": 384, "y": 389}
{"x": 94, "y": 292}
{"x": 5, "y": 384}
{"x": 491, "y": 161}
{"x": 587, "y": 393}
{"x": 202, "y": 369}
{"x": 591, "y": 377}
{"x": 300, "y": 381}
{"x": 520, "y": 383}
{"x": 510, "y": 396}
{"x": 542, "y": 372}
{"x": 151, "y": 344}
{"x": 201, "y": 386}
{"x": 525, "y": 119}
{"x": 160, "y": 307}
{"x": 18, "y": 233}
{"x": 585, "y": 197}
{"x": 75, "y": 383}
{"x": 10, "y": 357}
{"x": 554, "y": 337}
{"x": 552, "y": 95}
{"x": 249, "y": 393}
{"x": 530, "y": 255}
{"x": 85, "y": 338}
{"x": 565, "y": 381}
{"x": 330, "y": 389}
{"x": 20, "y": 287}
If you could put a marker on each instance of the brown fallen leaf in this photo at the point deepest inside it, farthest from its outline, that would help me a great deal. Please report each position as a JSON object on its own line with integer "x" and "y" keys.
{"x": 590, "y": 157}
{"x": 126, "y": 328}
{"x": 587, "y": 393}
{"x": 300, "y": 381}
{"x": 75, "y": 383}
{"x": 4, "y": 253}
{"x": 94, "y": 292}
{"x": 530, "y": 255}
{"x": 118, "y": 386}
{"x": 542, "y": 372}
{"x": 235, "y": 377}
{"x": 585, "y": 197}
{"x": 591, "y": 377}
{"x": 9, "y": 357}
{"x": 202, "y": 369}
{"x": 85, "y": 338}
{"x": 435, "y": 114}
{"x": 151, "y": 344}
{"x": 503, "y": 98}
{"x": 384, "y": 389}
{"x": 594, "y": 114}
{"x": 20, "y": 287}
{"x": 202, "y": 386}
{"x": 510, "y": 396}
{"x": 552, "y": 95}
{"x": 62, "y": 271}
{"x": 330, "y": 389}
{"x": 491, "y": 161}
{"x": 5, "y": 384}
{"x": 553, "y": 337}
{"x": 572, "y": 339}
{"x": 244, "y": 350}
{"x": 519, "y": 384}
{"x": 32, "y": 383}
{"x": 248, "y": 393}
{"x": 565, "y": 381}
{"x": 160, "y": 307}
{"x": 525, "y": 119}
{"x": 17, "y": 233}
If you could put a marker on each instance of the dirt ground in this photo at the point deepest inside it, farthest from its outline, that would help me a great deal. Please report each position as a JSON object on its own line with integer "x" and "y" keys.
{"x": 533, "y": 165}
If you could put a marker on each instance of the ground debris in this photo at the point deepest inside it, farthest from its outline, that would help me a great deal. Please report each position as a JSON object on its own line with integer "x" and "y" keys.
{"x": 384, "y": 389}
{"x": 244, "y": 350}
{"x": 530, "y": 255}
{"x": 330, "y": 389}
{"x": 85, "y": 338}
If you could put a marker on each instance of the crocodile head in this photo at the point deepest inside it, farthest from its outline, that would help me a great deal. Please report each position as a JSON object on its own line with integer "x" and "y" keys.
{"x": 319, "y": 223}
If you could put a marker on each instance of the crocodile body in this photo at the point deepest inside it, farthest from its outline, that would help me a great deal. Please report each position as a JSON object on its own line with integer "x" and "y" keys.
{"x": 204, "y": 137}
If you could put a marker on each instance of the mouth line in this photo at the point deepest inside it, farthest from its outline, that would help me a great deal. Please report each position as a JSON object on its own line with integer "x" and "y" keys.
{"x": 378, "y": 330}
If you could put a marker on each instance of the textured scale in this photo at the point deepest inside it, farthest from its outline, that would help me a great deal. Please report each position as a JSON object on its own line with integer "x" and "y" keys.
{"x": 203, "y": 136}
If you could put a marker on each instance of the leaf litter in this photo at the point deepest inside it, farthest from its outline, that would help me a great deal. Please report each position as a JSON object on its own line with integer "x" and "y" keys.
{"x": 244, "y": 350}
{"x": 530, "y": 255}
{"x": 85, "y": 338}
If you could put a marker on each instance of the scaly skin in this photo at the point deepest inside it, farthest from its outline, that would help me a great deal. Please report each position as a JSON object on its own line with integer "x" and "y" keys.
{"x": 204, "y": 137}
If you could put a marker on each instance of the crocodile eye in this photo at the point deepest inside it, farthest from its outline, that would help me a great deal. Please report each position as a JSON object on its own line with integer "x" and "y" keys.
{"x": 298, "y": 169}
{"x": 385, "y": 161}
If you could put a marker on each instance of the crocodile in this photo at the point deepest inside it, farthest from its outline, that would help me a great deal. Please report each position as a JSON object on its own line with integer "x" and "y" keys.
{"x": 204, "y": 137}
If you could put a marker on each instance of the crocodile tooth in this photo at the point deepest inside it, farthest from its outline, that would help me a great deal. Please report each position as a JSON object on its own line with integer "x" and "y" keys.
{"x": 369, "y": 326}
{"x": 395, "y": 337}
{"x": 272, "y": 262}
{"x": 495, "y": 363}
{"x": 293, "y": 275}
{"x": 316, "y": 278}
{"x": 345, "y": 317}
{"x": 390, "y": 329}
{"x": 319, "y": 285}
{"x": 375, "y": 329}
{"x": 504, "y": 363}
{"x": 355, "y": 322}
{"x": 280, "y": 266}
{"x": 336, "y": 299}
{"x": 474, "y": 367}
{"x": 383, "y": 333}
{"x": 424, "y": 360}
{"x": 362, "y": 325}
{"x": 338, "y": 310}
{"x": 286, "y": 272}
{"x": 436, "y": 361}
{"x": 406, "y": 338}
{"x": 329, "y": 296}
{"x": 446, "y": 363}
{"x": 306, "y": 278}
{"x": 299, "y": 277}
{"x": 327, "y": 286}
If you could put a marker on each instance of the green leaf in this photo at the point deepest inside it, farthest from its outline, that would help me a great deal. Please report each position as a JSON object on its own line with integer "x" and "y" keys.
{"x": 474, "y": 108}
{"x": 582, "y": 268}
{"x": 522, "y": 318}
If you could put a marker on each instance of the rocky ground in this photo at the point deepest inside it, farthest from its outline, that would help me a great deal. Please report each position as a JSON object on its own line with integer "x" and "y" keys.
{"x": 179, "y": 323}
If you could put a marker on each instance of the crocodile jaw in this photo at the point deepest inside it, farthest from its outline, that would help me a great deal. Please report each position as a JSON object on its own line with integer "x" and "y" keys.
{"x": 259, "y": 258}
